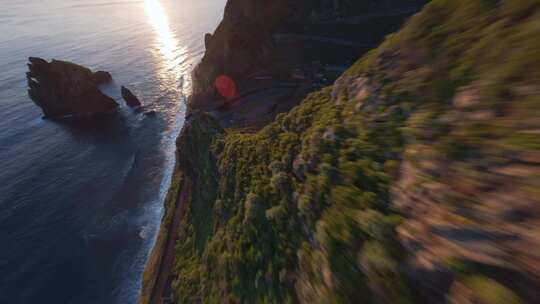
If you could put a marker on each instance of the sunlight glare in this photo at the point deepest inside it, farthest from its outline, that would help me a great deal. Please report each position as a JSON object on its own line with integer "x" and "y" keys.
{"x": 168, "y": 44}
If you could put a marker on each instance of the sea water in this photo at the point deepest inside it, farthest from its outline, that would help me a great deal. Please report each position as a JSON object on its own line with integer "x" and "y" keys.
{"x": 81, "y": 200}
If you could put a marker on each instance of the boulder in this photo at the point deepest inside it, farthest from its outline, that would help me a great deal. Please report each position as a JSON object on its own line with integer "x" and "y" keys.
{"x": 62, "y": 88}
{"x": 130, "y": 98}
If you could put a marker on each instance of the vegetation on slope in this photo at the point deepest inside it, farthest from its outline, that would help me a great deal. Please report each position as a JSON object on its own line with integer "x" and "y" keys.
{"x": 303, "y": 210}
{"x": 263, "y": 215}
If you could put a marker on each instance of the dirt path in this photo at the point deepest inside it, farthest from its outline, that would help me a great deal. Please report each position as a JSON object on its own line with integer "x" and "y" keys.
{"x": 161, "y": 285}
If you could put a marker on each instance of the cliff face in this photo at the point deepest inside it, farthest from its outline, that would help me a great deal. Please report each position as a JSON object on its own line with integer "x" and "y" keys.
{"x": 245, "y": 42}
{"x": 191, "y": 190}
{"x": 412, "y": 179}
{"x": 240, "y": 41}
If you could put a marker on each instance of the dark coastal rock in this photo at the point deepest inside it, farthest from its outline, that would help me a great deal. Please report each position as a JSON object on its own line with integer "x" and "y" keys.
{"x": 144, "y": 110}
{"x": 130, "y": 98}
{"x": 207, "y": 40}
{"x": 63, "y": 88}
{"x": 101, "y": 77}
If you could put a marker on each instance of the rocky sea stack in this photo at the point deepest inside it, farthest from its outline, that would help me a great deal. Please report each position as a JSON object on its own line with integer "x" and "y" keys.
{"x": 63, "y": 88}
{"x": 130, "y": 98}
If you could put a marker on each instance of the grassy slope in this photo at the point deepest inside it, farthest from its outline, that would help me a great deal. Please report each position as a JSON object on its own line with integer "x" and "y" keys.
{"x": 326, "y": 233}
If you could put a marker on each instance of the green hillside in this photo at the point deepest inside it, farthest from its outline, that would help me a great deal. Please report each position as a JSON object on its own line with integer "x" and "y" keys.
{"x": 423, "y": 133}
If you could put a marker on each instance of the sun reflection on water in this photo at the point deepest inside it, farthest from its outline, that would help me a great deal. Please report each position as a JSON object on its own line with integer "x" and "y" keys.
{"x": 172, "y": 53}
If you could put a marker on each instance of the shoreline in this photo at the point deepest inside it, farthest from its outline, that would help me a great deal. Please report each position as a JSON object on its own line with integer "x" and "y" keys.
{"x": 153, "y": 268}
{"x": 156, "y": 278}
{"x": 166, "y": 183}
{"x": 167, "y": 253}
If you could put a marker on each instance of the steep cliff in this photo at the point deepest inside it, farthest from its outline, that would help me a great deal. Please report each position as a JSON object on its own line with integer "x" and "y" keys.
{"x": 412, "y": 179}
{"x": 272, "y": 37}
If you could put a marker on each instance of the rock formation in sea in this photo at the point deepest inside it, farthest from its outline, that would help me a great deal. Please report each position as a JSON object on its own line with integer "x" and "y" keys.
{"x": 101, "y": 77}
{"x": 130, "y": 98}
{"x": 62, "y": 88}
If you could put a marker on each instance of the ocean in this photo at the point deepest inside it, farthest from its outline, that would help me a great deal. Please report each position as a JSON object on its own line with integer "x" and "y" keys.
{"x": 81, "y": 199}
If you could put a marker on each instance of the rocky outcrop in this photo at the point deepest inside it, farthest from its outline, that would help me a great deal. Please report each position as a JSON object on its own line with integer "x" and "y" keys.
{"x": 63, "y": 88}
{"x": 240, "y": 44}
{"x": 101, "y": 77}
{"x": 130, "y": 98}
{"x": 245, "y": 42}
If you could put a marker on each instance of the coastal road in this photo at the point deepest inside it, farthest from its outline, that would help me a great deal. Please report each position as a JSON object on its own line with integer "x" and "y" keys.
{"x": 162, "y": 282}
